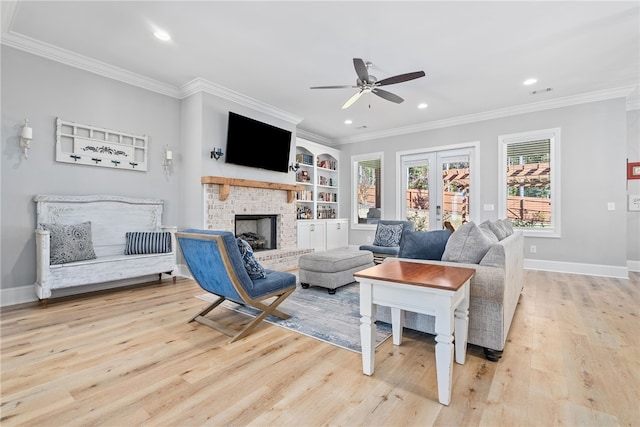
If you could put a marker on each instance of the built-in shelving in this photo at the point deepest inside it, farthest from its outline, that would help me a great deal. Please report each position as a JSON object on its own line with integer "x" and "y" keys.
{"x": 318, "y": 175}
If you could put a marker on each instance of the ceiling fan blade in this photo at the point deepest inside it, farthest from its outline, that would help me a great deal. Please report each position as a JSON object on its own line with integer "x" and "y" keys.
{"x": 361, "y": 70}
{"x": 333, "y": 87}
{"x": 401, "y": 78}
{"x": 353, "y": 99}
{"x": 388, "y": 95}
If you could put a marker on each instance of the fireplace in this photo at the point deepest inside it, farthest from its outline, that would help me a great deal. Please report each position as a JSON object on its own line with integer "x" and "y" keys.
{"x": 260, "y": 231}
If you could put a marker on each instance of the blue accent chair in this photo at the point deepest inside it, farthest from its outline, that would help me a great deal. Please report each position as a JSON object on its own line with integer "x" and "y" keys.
{"x": 381, "y": 252}
{"x": 215, "y": 263}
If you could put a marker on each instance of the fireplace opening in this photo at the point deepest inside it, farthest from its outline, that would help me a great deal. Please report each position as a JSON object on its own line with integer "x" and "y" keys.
{"x": 260, "y": 231}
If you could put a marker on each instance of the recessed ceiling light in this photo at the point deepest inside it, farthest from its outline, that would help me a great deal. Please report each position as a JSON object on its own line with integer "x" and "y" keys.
{"x": 162, "y": 35}
{"x": 529, "y": 82}
{"x": 348, "y": 122}
{"x": 423, "y": 106}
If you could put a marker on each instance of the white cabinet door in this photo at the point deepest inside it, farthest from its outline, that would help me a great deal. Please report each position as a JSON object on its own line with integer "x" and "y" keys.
{"x": 312, "y": 234}
{"x": 337, "y": 234}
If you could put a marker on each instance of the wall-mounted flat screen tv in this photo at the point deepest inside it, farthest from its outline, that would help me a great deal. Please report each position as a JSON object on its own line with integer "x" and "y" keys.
{"x": 256, "y": 144}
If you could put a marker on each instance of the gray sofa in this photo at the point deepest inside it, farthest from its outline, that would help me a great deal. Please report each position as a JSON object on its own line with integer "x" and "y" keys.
{"x": 495, "y": 288}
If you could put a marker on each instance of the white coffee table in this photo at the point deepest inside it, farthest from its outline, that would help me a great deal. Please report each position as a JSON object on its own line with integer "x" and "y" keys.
{"x": 438, "y": 290}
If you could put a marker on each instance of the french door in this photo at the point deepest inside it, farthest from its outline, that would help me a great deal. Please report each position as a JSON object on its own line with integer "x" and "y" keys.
{"x": 435, "y": 187}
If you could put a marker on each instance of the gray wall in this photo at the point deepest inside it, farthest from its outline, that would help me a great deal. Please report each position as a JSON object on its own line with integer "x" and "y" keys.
{"x": 593, "y": 155}
{"x": 42, "y": 90}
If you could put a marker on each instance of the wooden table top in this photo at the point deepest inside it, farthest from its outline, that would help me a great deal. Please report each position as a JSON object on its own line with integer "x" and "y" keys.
{"x": 419, "y": 274}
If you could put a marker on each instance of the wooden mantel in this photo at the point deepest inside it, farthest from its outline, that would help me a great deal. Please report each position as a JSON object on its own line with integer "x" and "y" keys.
{"x": 226, "y": 183}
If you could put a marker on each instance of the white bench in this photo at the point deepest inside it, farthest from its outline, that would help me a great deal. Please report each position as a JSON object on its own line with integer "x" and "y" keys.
{"x": 111, "y": 218}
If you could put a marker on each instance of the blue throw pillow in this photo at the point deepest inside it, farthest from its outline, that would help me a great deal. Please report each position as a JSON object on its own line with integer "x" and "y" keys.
{"x": 388, "y": 235}
{"x": 423, "y": 244}
{"x": 251, "y": 264}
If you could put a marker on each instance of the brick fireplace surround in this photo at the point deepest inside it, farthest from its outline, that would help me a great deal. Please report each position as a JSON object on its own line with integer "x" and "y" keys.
{"x": 226, "y": 197}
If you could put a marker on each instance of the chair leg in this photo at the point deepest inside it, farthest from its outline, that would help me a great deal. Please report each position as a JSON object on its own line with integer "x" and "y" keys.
{"x": 208, "y": 308}
{"x": 268, "y": 309}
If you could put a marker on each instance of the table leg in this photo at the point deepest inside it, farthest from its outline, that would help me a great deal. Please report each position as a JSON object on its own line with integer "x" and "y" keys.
{"x": 397, "y": 324}
{"x": 367, "y": 327}
{"x": 444, "y": 353}
{"x": 462, "y": 327}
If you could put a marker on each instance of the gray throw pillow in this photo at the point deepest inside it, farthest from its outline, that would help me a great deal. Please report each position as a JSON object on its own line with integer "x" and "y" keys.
{"x": 488, "y": 232}
{"x": 468, "y": 244}
{"x": 423, "y": 244}
{"x": 497, "y": 229}
{"x": 69, "y": 243}
{"x": 506, "y": 224}
{"x": 388, "y": 235}
{"x": 251, "y": 264}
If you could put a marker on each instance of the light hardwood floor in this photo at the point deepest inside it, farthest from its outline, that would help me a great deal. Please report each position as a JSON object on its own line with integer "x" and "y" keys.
{"x": 128, "y": 357}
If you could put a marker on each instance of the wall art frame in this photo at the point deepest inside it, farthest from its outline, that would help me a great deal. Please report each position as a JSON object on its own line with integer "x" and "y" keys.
{"x": 94, "y": 146}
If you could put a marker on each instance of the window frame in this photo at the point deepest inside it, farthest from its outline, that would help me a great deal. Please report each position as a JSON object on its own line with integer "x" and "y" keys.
{"x": 355, "y": 159}
{"x": 553, "y": 135}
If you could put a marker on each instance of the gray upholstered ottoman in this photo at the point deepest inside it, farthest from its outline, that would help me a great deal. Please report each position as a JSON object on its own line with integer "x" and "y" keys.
{"x": 332, "y": 269}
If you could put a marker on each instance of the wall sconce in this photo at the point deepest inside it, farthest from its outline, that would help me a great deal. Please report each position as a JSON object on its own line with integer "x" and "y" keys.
{"x": 294, "y": 167}
{"x": 167, "y": 161}
{"x": 25, "y": 138}
{"x": 217, "y": 153}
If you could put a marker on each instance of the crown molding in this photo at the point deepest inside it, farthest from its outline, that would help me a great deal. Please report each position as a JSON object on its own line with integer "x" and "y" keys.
{"x": 601, "y": 95}
{"x": 310, "y": 136}
{"x": 82, "y": 62}
{"x": 201, "y": 85}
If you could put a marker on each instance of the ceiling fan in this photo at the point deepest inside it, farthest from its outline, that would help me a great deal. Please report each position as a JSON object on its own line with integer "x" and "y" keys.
{"x": 366, "y": 83}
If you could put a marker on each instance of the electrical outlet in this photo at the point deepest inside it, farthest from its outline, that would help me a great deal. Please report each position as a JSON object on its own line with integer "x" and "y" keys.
{"x": 532, "y": 249}
{"x": 611, "y": 206}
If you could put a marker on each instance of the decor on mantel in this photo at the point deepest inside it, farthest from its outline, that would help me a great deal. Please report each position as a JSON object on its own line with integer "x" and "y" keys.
{"x": 217, "y": 153}
{"x": 293, "y": 167}
{"x": 89, "y": 145}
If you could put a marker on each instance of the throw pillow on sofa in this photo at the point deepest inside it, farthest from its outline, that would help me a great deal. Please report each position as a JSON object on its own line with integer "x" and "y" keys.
{"x": 69, "y": 242}
{"x": 251, "y": 264}
{"x": 423, "y": 244}
{"x": 388, "y": 235}
{"x": 498, "y": 229}
{"x": 488, "y": 232}
{"x": 468, "y": 244}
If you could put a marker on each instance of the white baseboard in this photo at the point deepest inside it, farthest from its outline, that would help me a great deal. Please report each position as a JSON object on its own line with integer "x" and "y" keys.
{"x": 619, "y": 272}
{"x": 633, "y": 265}
{"x": 25, "y": 294}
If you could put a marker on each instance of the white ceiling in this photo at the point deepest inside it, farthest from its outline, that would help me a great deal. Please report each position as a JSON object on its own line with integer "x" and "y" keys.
{"x": 475, "y": 54}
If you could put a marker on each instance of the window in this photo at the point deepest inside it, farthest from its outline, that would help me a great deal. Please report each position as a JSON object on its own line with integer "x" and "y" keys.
{"x": 367, "y": 188}
{"x": 530, "y": 181}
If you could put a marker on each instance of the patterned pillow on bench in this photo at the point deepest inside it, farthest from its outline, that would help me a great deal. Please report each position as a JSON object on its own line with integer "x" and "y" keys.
{"x": 147, "y": 242}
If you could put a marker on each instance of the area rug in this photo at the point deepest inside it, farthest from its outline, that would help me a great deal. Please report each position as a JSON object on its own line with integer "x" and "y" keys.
{"x": 334, "y": 319}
